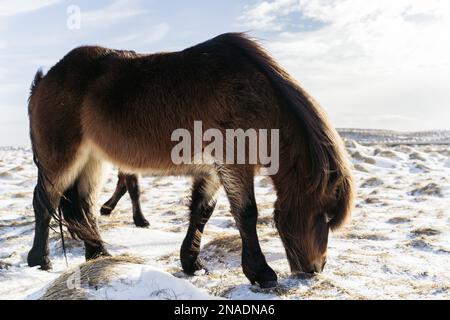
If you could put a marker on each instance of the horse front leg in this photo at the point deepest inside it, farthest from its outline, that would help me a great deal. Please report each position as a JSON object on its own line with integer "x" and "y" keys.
{"x": 238, "y": 185}
{"x": 202, "y": 206}
{"x": 254, "y": 263}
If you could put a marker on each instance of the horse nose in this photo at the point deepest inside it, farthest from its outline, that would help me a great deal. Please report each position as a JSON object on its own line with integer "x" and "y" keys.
{"x": 316, "y": 266}
{"x": 319, "y": 265}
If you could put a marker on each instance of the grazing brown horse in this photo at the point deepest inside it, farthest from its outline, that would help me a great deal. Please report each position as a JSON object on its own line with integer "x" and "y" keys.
{"x": 126, "y": 182}
{"x": 98, "y": 104}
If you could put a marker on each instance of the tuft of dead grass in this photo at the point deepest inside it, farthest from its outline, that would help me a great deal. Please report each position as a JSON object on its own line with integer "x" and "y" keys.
{"x": 223, "y": 249}
{"x": 416, "y": 156}
{"x": 359, "y": 156}
{"x": 399, "y": 220}
{"x": 75, "y": 283}
{"x": 425, "y": 232}
{"x": 366, "y": 236}
{"x": 372, "y": 182}
{"x": 431, "y": 189}
{"x": 350, "y": 143}
{"x": 266, "y": 221}
{"x": 359, "y": 167}
{"x": 224, "y": 244}
{"x": 385, "y": 153}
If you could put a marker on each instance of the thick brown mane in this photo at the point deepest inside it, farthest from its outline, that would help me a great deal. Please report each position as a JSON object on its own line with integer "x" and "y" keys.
{"x": 99, "y": 104}
{"x": 327, "y": 169}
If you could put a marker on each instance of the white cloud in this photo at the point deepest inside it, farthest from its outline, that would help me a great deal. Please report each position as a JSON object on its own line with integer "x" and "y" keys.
{"x": 151, "y": 35}
{"x": 11, "y": 8}
{"x": 265, "y": 14}
{"x": 117, "y": 11}
{"x": 363, "y": 56}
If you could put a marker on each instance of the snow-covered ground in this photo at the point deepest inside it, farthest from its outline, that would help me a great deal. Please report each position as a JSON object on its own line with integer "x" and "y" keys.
{"x": 396, "y": 246}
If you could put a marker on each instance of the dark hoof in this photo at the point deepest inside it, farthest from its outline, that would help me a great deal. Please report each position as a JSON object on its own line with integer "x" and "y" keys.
{"x": 105, "y": 210}
{"x": 92, "y": 254}
{"x": 141, "y": 223}
{"x": 268, "y": 284}
{"x": 42, "y": 261}
{"x": 265, "y": 277}
{"x": 46, "y": 267}
{"x": 190, "y": 266}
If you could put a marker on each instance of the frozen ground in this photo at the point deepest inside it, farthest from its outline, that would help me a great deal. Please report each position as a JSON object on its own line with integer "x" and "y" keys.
{"x": 396, "y": 246}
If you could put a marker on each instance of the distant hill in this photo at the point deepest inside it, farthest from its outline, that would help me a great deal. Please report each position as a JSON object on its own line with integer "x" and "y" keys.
{"x": 376, "y": 136}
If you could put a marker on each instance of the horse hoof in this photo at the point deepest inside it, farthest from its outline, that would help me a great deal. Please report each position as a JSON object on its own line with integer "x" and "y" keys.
{"x": 142, "y": 223}
{"x": 191, "y": 268}
{"x": 105, "y": 211}
{"x": 267, "y": 284}
{"x": 46, "y": 267}
{"x": 44, "y": 263}
{"x": 94, "y": 254}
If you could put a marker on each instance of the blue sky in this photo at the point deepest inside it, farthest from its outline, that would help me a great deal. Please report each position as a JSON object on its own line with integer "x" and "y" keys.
{"x": 383, "y": 64}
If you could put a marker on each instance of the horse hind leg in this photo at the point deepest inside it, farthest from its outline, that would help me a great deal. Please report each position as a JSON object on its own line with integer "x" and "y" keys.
{"x": 38, "y": 255}
{"x": 77, "y": 207}
{"x": 202, "y": 206}
{"x": 48, "y": 201}
{"x": 237, "y": 181}
{"x": 120, "y": 191}
{"x": 132, "y": 186}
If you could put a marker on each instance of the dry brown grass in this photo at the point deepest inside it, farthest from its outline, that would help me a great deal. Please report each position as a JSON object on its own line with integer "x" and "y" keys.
{"x": 104, "y": 225}
{"x": 91, "y": 274}
{"x": 385, "y": 153}
{"x": 425, "y": 232}
{"x": 372, "y": 200}
{"x": 398, "y": 220}
{"x": 372, "y": 182}
{"x": 266, "y": 221}
{"x": 359, "y": 167}
{"x": 431, "y": 189}
{"x": 416, "y": 156}
{"x": 359, "y": 156}
{"x": 366, "y": 236}
{"x": 421, "y": 167}
{"x": 4, "y": 265}
{"x": 224, "y": 244}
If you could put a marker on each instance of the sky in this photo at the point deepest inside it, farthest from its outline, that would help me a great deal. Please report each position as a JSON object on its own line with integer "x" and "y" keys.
{"x": 370, "y": 64}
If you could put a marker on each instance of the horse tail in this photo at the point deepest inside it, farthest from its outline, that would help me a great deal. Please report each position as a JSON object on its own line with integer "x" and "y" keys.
{"x": 42, "y": 179}
{"x": 329, "y": 169}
